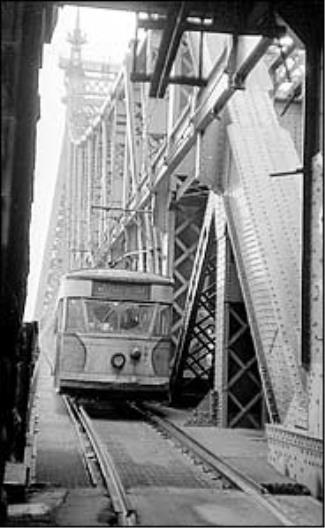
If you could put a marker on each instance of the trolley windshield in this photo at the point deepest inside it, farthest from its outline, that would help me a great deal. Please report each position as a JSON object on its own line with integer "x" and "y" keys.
{"x": 117, "y": 317}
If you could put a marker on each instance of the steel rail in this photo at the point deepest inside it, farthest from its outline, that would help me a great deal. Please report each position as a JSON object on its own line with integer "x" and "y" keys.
{"x": 86, "y": 461}
{"x": 121, "y": 503}
{"x": 209, "y": 459}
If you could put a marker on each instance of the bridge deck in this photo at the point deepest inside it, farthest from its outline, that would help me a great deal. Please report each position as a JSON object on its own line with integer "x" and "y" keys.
{"x": 62, "y": 494}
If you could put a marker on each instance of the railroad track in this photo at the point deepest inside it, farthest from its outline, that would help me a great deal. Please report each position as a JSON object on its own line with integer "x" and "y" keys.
{"x": 88, "y": 437}
{"x": 123, "y": 487}
{"x": 201, "y": 454}
{"x": 209, "y": 460}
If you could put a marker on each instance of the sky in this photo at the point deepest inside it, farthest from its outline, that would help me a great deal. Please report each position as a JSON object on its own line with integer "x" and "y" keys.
{"x": 108, "y": 34}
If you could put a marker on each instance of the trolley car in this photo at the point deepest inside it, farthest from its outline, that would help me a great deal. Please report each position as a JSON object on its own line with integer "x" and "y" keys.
{"x": 112, "y": 330}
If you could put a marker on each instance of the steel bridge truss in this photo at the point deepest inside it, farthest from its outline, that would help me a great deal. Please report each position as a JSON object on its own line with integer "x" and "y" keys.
{"x": 214, "y": 353}
{"x": 147, "y": 190}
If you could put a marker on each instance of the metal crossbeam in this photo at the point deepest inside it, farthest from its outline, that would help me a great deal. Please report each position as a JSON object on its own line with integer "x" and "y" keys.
{"x": 175, "y": 79}
{"x": 245, "y": 410}
{"x": 241, "y": 356}
{"x": 170, "y": 40}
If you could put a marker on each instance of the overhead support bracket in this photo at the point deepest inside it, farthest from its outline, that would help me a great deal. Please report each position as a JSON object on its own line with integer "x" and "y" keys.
{"x": 204, "y": 115}
{"x": 177, "y": 79}
{"x": 169, "y": 44}
{"x": 167, "y": 52}
{"x": 159, "y": 24}
{"x": 300, "y": 170}
{"x": 121, "y": 209}
{"x": 281, "y": 60}
{"x": 248, "y": 64}
{"x": 173, "y": 25}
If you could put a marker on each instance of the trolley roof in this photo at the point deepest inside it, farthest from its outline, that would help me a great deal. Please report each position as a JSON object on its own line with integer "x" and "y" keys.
{"x": 118, "y": 275}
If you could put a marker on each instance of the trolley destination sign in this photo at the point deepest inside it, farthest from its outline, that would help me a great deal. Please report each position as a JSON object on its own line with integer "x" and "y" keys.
{"x": 121, "y": 290}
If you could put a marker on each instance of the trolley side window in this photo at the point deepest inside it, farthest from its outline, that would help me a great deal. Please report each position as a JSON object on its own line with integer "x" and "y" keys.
{"x": 162, "y": 320}
{"x": 75, "y": 321}
{"x": 58, "y": 317}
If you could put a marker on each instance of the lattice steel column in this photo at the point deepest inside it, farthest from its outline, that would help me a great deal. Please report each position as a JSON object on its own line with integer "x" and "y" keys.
{"x": 221, "y": 327}
{"x": 237, "y": 380}
{"x": 118, "y": 153}
{"x": 88, "y": 175}
{"x": 78, "y": 205}
{"x": 69, "y": 204}
{"x": 148, "y": 242}
{"x": 199, "y": 362}
{"x": 188, "y": 220}
{"x": 244, "y": 391}
{"x": 85, "y": 206}
{"x": 157, "y": 252}
{"x": 72, "y": 199}
{"x": 96, "y": 193}
{"x": 168, "y": 245}
{"x": 103, "y": 182}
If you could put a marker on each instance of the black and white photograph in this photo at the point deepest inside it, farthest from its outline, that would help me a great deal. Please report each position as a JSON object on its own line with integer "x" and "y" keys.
{"x": 162, "y": 248}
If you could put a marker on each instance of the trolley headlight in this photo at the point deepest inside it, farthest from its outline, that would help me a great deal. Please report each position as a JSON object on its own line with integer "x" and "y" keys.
{"x": 135, "y": 354}
{"x": 118, "y": 361}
